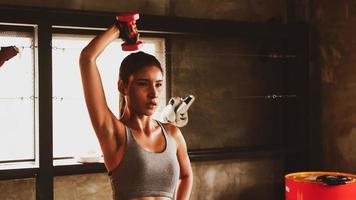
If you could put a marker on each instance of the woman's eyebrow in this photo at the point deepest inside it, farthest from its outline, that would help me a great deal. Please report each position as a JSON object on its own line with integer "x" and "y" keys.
{"x": 148, "y": 80}
{"x": 142, "y": 79}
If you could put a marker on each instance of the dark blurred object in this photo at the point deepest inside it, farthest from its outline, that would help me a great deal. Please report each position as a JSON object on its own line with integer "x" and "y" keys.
{"x": 7, "y": 53}
{"x": 333, "y": 180}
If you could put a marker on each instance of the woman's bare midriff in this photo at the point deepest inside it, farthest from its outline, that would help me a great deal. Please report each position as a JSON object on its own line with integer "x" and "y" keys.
{"x": 152, "y": 198}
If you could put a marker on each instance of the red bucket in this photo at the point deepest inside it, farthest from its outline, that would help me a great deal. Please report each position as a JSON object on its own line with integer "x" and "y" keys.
{"x": 320, "y": 186}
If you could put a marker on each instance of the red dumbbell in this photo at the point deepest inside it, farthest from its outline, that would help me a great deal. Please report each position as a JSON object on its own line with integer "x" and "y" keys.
{"x": 7, "y": 53}
{"x": 126, "y": 22}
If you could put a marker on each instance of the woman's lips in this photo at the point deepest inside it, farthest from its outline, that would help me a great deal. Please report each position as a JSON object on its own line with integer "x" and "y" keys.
{"x": 152, "y": 105}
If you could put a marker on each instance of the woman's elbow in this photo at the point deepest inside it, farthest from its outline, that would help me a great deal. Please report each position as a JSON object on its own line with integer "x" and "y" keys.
{"x": 187, "y": 176}
{"x": 85, "y": 56}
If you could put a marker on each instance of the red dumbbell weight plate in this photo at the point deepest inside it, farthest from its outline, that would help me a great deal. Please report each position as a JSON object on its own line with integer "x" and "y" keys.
{"x": 127, "y": 17}
{"x": 131, "y": 47}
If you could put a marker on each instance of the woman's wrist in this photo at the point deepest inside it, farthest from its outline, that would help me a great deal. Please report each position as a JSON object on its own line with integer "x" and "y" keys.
{"x": 115, "y": 31}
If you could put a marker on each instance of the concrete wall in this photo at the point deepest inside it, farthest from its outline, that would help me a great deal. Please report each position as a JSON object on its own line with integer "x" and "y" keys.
{"x": 18, "y": 189}
{"x": 238, "y": 179}
{"x": 86, "y": 187}
{"x": 242, "y": 10}
{"x": 231, "y": 179}
{"x": 229, "y": 78}
{"x": 227, "y": 179}
{"x": 334, "y": 57}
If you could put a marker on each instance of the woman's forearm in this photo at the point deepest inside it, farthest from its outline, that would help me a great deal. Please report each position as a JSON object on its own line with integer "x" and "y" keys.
{"x": 98, "y": 44}
{"x": 184, "y": 188}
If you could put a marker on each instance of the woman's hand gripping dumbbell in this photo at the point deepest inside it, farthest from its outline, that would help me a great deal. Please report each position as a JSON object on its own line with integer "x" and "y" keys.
{"x": 126, "y": 23}
{"x": 7, "y": 53}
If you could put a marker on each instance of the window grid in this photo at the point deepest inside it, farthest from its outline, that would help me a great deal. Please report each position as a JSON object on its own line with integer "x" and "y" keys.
{"x": 33, "y": 98}
{"x": 68, "y": 94}
{"x": 18, "y": 82}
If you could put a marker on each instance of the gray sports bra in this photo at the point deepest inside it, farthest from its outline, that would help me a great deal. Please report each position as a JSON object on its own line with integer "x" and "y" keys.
{"x": 143, "y": 173}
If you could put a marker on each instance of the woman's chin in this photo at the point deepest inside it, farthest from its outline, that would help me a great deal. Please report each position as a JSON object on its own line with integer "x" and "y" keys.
{"x": 150, "y": 112}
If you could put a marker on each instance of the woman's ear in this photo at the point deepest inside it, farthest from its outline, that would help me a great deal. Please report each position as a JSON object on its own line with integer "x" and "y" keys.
{"x": 121, "y": 87}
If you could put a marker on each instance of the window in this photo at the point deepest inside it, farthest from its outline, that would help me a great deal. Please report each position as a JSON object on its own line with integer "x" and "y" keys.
{"x": 18, "y": 96}
{"x": 73, "y": 134}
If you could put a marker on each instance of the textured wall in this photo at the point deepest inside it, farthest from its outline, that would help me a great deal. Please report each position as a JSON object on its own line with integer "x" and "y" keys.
{"x": 242, "y": 10}
{"x": 334, "y": 31}
{"x": 156, "y": 7}
{"x": 229, "y": 78}
{"x": 215, "y": 180}
{"x": 237, "y": 180}
{"x": 86, "y": 187}
{"x": 19, "y": 189}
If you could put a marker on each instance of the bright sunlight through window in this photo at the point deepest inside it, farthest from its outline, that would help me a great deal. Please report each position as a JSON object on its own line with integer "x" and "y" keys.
{"x": 18, "y": 99}
{"x": 73, "y": 134}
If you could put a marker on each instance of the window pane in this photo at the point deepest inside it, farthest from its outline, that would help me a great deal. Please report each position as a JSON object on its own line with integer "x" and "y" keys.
{"x": 72, "y": 130}
{"x": 17, "y": 99}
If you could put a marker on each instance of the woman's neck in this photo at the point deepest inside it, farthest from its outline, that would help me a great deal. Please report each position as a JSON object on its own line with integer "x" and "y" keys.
{"x": 143, "y": 124}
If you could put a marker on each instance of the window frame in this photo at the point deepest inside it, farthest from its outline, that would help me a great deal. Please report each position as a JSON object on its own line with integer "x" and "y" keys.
{"x": 60, "y": 166}
{"x": 47, "y": 23}
{"x": 62, "y": 162}
{"x": 31, "y": 29}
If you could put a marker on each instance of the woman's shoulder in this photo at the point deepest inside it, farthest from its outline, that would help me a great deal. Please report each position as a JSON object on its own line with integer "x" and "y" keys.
{"x": 172, "y": 130}
{"x": 177, "y": 136}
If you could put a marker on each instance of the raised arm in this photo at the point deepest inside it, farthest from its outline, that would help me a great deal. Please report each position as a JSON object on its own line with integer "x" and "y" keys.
{"x": 105, "y": 124}
{"x": 99, "y": 111}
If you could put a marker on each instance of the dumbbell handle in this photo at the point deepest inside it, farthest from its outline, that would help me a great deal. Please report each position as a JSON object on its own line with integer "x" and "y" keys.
{"x": 126, "y": 23}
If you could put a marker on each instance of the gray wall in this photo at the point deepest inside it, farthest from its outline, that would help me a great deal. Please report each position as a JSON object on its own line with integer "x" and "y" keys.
{"x": 229, "y": 79}
{"x": 237, "y": 179}
{"x": 230, "y": 179}
{"x": 242, "y": 10}
{"x": 333, "y": 63}
{"x": 86, "y": 187}
{"x": 18, "y": 189}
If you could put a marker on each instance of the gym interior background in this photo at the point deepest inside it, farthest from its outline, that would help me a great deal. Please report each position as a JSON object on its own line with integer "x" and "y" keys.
{"x": 274, "y": 83}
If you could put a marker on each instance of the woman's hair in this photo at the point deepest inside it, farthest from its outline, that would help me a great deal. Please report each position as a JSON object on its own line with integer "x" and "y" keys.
{"x": 134, "y": 62}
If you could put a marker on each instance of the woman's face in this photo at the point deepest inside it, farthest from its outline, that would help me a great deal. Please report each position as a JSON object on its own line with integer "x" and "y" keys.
{"x": 143, "y": 90}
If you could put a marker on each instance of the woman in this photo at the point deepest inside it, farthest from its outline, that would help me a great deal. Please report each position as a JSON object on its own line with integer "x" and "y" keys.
{"x": 145, "y": 159}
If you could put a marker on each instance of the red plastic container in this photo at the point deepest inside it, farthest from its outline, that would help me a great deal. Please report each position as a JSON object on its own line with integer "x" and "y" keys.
{"x": 305, "y": 186}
